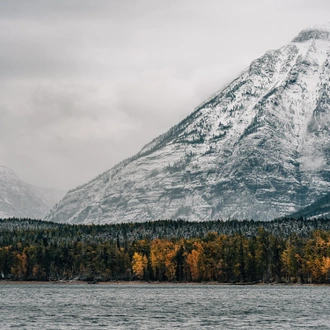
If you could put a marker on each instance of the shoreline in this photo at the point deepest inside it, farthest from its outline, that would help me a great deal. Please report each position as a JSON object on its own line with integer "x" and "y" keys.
{"x": 75, "y": 282}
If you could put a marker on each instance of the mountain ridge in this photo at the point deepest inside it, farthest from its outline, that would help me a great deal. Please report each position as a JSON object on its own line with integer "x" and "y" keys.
{"x": 20, "y": 199}
{"x": 318, "y": 209}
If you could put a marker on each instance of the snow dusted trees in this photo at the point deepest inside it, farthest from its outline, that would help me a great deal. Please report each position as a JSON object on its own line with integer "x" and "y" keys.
{"x": 45, "y": 251}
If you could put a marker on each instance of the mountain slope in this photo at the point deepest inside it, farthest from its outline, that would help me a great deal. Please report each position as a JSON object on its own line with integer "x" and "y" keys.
{"x": 19, "y": 199}
{"x": 258, "y": 149}
{"x": 320, "y": 208}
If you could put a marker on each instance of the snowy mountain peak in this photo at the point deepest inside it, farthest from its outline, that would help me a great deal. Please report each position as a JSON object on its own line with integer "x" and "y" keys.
{"x": 320, "y": 31}
{"x": 19, "y": 199}
{"x": 7, "y": 173}
{"x": 321, "y": 27}
{"x": 257, "y": 149}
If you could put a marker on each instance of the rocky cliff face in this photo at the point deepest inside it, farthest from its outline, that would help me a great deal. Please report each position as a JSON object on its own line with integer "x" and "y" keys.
{"x": 21, "y": 200}
{"x": 258, "y": 149}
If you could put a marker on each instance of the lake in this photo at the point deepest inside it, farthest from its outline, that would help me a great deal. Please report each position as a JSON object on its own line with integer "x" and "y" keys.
{"x": 150, "y": 306}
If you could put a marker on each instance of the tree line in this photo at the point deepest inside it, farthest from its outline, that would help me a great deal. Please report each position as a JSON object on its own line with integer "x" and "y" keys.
{"x": 36, "y": 250}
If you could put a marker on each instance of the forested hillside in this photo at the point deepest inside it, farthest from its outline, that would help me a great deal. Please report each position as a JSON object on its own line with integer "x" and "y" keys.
{"x": 229, "y": 252}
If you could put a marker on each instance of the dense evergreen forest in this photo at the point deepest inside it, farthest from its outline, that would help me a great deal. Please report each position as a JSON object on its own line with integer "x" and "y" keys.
{"x": 283, "y": 250}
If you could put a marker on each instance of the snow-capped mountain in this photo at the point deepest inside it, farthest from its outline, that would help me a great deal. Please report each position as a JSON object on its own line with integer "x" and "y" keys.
{"x": 259, "y": 148}
{"x": 22, "y": 200}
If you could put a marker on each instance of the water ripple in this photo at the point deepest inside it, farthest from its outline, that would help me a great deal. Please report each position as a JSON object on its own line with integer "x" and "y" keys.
{"x": 163, "y": 307}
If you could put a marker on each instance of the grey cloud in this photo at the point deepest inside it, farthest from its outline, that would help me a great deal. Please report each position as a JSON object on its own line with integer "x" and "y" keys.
{"x": 87, "y": 83}
{"x": 35, "y": 8}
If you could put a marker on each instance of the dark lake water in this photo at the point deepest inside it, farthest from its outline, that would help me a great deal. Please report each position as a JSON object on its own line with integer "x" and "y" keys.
{"x": 51, "y": 306}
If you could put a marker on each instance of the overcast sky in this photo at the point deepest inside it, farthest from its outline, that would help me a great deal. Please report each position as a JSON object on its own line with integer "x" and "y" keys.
{"x": 85, "y": 84}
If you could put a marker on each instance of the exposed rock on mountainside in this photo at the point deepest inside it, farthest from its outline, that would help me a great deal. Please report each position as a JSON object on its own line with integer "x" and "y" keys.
{"x": 19, "y": 199}
{"x": 258, "y": 149}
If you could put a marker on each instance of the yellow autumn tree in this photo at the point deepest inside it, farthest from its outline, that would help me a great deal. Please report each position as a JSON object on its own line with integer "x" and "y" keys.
{"x": 139, "y": 265}
{"x": 326, "y": 268}
{"x": 20, "y": 267}
{"x": 194, "y": 263}
{"x": 170, "y": 263}
{"x": 162, "y": 258}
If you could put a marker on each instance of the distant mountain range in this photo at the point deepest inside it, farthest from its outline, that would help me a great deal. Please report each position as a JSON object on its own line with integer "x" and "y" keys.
{"x": 259, "y": 148}
{"x": 21, "y": 200}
